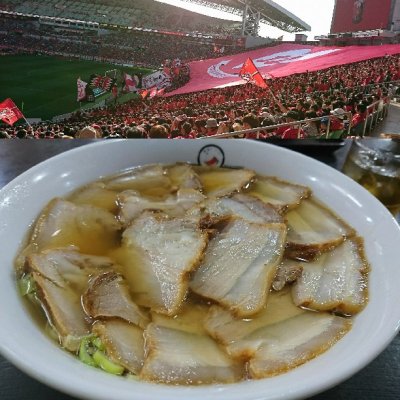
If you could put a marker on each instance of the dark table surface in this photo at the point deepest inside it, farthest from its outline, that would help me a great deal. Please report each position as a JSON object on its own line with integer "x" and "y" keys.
{"x": 379, "y": 380}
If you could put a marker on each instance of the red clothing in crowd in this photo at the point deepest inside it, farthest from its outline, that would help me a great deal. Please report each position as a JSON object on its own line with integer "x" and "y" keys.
{"x": 336, "y": 124}
{"x": 280, "y": 131}
{"x": 293, "y": 133}
{"x": 358, "y": 119}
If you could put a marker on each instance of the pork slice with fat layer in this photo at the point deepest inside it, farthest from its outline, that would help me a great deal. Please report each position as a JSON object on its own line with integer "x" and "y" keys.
{"x": 108, "y": 297}
{"x": 123, "y": 342}
{"x": 159, "y": 253}
{"x": 336, "y": 281}
{"x": 240, "y": 264}
{"x": 61, "y": 277}
{"x": 178, "y": 357}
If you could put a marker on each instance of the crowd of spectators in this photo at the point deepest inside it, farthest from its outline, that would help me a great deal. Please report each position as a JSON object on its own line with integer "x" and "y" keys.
{"x": 330, "y": 94}
{"x": 125, "y": 47}
{"x": 140, "y": 13}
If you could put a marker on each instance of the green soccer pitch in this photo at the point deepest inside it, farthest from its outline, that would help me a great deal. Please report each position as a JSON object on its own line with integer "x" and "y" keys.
{"x": 46, "y": 85}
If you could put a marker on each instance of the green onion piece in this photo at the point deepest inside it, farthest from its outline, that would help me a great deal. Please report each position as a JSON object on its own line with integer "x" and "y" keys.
{"x": 98, "y": 343}
{"x": 104, "y": 363}
{"x": 84, "y": 354}
{"x": 32, "y": 297}
{"x": 26, "y": 285}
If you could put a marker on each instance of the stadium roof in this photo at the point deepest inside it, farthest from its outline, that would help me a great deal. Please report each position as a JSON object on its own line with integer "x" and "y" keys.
{"x": 271, "y": 13}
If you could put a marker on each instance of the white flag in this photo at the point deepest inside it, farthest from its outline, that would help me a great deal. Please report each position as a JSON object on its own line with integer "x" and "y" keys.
{"x": 81, "y": 89}
{"x": 130, "y": 83}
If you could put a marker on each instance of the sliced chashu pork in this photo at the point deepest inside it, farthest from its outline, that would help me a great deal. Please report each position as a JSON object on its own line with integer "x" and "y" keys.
{"x": 150, "y": 180}
{"x": 96, "y": 195}
{"x": 218, "y": 182}
{"x": 280, "y": 338}
{"x": 228, "y": 330}
{"x": 123, "y": 342}
{"x": 158, "y": 254}
{"x": 62, "y": 223}
{"x": 183, "y": 176}
{"x": 283, "y": 195}
{"x": 288, "y": 272}
{"x": 108, "y": 297}
{"x": 132, "y": 204}
{"x": 296, "y": 341}
{"x": 61, "y": 278}
{"x": 240, "y": 264}
{"x": 242, "y": 206}
{"x": 312, "y": 229}
{"x": 336, "y": 281}
{"x": 195, "y": 339}
{"x": 178, "y": 357}
{"x": 190, "y": 319}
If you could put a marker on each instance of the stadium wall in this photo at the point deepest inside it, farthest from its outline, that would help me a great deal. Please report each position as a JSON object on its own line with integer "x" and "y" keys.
{"x": 396, "y": 17}
{"x": 252, "y": 41}
{"x": 362, "y": 15}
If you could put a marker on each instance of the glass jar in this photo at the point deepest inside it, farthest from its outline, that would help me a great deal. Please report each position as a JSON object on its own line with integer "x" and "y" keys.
{"x": 375, "y": 164}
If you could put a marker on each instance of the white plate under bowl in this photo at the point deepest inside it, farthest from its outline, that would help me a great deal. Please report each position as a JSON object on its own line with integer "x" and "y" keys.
{"x": 29, "y": 349}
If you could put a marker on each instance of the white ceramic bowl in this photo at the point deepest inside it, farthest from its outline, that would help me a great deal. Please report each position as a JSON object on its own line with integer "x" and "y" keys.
{"x": 30, "y": 350}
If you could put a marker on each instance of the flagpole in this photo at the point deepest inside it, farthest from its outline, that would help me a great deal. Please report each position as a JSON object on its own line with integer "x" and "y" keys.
{"x": 23, "y": 116}
{"x": 30, "y": 126}
{"x": 281, "y": 106}
{"x": 255, "y": 76}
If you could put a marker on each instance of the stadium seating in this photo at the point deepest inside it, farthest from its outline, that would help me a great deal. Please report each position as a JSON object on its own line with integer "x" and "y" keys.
{"x": 233, "y": 107}
{"x": 360, "y": 88}
{"x": 141, "y": 13}
{"x": 116, "y": 45}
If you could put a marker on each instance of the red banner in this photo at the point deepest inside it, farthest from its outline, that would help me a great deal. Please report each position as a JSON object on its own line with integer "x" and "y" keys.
{"x": 9, "y": 112}
{"x": 277, "y": 61}
{"x": 102, "y": 82}
{"x": 361, "y": 15}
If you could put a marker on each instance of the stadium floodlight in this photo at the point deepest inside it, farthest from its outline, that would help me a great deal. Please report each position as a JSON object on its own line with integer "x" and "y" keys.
{"x": 256, "y": 11}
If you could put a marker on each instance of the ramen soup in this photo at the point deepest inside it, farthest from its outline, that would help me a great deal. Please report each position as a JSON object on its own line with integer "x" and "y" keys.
{"x": 189, "y": 275}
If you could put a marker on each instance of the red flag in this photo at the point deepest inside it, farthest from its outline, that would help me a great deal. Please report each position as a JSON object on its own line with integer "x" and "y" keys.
{"x": 102, "y": 82}
{"x": 250, "y": 73}
{"x": 160, "y": 92}
{"x": 9, "y": 112}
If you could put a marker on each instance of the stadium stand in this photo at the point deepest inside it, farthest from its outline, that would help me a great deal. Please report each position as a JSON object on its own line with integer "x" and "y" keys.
{"x": 118, "y": 46}
{"x": 327, "y": 97}
{"x": 343, "y": 100}
{"x": 140, "y": 14}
